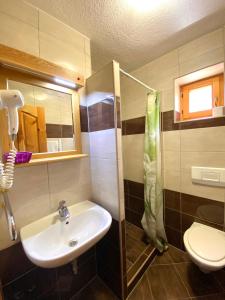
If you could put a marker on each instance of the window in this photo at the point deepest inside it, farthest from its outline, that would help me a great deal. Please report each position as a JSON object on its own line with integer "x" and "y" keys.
{"x": 197, "y": 99}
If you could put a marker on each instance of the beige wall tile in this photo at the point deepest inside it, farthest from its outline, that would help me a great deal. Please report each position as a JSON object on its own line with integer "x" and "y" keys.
{"x": 171, "y": 140}
{"x": 85, "y": 141}
{"x": 105, "y": 184}
{"x": 69, "y": 181}
{"x": 171, "y": 160}
{"x": 133, "y": 153}
{"x": 200, "y": 46}
{"x": 61, "y": 53}
{"x": 88, "y": 67}
{"x": 20, "y": 10}
{"x": 103, "y": 143}
{"x": 209, "y": 58}
{"x": 61, "y": 31}
{"x": 87, "y": 44}
{"x": 210, "y": 139}
{"x": 202, "y": 159}
{"x": 214, "y": 193}
{"x": 171, "y": 180}
{"x": 17, "y": 34}
{"x": 30, "y": 195}
{"x": 167, "y": 99}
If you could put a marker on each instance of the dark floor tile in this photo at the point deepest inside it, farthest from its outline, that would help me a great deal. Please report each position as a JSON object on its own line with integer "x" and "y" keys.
{"x": 142, "y": 290}
{"x": 128, "y": 264}
{"x": 211, "y": 297}
{"x": 135, "y": 268}
{"x": 165, "y": 283}
{"x": 171, "y": 256}
{"x": 178, "y": 255}
{"x": 220, "y": 277}
{"x": 162, "y": 259}
{"x": 197, "y": 283}
{"x": 135, "y": 232}
{"x": 134, "y": 248}
{"x": 96, "y": 290}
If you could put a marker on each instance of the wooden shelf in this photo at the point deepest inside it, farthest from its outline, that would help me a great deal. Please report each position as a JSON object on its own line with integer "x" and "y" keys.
{"x": 39, "y": 161}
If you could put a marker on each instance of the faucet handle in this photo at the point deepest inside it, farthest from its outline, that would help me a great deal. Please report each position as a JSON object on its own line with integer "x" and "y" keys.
{"x": 62, "y": 204}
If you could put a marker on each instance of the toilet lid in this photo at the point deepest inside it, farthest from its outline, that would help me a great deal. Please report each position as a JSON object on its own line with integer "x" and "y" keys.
{"x": 207, "y": 243}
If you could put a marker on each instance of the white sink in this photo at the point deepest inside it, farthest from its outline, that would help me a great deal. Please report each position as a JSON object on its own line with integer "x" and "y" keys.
{"x": 50, "y": 243}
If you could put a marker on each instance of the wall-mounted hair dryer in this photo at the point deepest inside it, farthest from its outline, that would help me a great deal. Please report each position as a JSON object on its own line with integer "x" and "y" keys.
{"x": 11, "y": 100}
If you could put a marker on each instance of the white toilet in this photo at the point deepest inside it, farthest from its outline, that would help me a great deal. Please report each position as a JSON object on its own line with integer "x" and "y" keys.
{"x": 205, "y": 246}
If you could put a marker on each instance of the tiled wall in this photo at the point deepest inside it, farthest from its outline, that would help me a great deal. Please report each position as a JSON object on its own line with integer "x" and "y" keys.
{"x": 23, "y": 281}
{"x": 184, "y": 145}
{"x": 38, "y": 189}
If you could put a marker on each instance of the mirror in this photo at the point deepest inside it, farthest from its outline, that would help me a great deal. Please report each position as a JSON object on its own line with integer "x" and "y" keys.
{"x": 45, "y": 121}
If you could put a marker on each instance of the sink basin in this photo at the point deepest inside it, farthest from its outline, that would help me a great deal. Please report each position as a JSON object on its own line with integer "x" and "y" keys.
{"x": 50, "y": 242}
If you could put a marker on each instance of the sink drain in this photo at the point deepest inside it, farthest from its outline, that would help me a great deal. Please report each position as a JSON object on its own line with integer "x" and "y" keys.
{"x": 73, "y": 243}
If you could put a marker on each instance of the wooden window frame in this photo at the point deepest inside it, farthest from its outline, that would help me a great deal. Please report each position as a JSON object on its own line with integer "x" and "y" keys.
{"x": 217, "y": 95}
{"x": 27, "y": 78}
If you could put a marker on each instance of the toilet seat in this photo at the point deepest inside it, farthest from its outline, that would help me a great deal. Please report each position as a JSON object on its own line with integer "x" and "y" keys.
{"x": 207, "y": 243}
{"x": 206, "y": 246}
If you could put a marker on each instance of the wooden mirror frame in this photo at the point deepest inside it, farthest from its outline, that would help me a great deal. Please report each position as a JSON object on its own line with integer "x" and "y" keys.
{"x": 27, "y": 78}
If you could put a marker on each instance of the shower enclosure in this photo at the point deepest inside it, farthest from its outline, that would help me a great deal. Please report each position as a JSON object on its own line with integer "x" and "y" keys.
{"x": 139, "y": 252}
{"x": 115, "y": 106}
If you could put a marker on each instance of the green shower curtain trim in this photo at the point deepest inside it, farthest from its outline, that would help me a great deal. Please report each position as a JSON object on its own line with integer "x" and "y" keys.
{"x": 152, "y": 220}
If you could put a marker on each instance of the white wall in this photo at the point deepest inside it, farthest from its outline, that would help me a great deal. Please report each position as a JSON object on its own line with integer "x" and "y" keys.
{"x": 38, "y": 189}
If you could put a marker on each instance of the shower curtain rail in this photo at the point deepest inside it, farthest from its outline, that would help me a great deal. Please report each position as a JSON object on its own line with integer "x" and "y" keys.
{"x": 138, "y": 81}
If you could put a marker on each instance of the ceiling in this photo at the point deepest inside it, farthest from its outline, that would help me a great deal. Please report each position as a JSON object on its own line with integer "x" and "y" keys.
{"x": 133, "y": 38}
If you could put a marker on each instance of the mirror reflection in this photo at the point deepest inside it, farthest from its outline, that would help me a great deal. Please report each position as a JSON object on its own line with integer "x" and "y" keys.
{"x": 46, "y": 120}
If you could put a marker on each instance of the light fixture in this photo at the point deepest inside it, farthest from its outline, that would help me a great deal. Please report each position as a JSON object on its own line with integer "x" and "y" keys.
{"x": 144, "y": 5}
{"x": 65, "y": 82}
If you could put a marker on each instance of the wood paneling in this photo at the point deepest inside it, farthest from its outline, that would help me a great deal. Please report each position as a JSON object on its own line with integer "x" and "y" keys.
{"x": 28, "y": 62}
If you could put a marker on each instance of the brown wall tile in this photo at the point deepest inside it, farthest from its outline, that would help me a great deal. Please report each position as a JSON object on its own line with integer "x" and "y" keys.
{"x": 110, "y": 263}
{"x": 174, "y": 237}
{"x": 133, "y": 126}
{"x": 22, "y": 280}
{"x": 172, "y": 199}
{"x": 13, "y": 263}
{"x": 101, "y": 116}
{"x": 59, "y": 131}
{"x": 173, "y": 219}
{"x": 67, "y": 131}
{"x": 83, "y": 118}
{"x": 168, "y": 122}
{"x": 202, "y": 208}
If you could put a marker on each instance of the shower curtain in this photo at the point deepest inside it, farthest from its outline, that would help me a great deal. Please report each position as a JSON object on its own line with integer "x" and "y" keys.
{"x": 152, "y": 220}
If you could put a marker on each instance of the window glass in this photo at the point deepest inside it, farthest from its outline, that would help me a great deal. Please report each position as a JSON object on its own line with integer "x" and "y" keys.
{"x": 200, "y": 99}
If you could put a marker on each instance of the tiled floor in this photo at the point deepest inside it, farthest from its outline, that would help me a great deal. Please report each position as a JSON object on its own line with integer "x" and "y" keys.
{"x": 173, "y": 276}
{"x": 170, "y": 276}
{"x": 135, "y": 244}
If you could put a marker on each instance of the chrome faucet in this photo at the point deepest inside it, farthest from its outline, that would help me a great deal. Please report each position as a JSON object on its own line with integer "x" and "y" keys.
{"x": 64, "y": 213}
{"x": 9, "y": 217}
